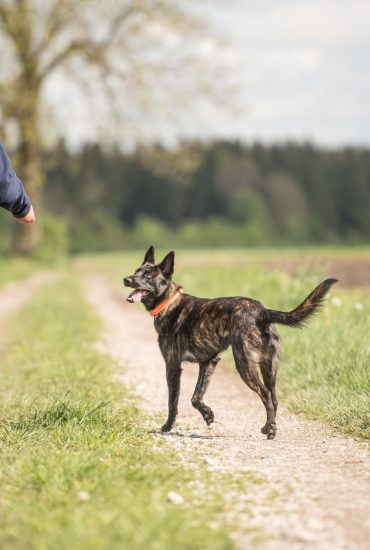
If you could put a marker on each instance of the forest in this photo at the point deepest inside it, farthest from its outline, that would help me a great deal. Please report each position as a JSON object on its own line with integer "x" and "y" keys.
{"x": 205, "y": 195}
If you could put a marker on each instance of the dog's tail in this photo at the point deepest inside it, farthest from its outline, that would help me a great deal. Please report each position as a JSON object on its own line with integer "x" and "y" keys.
{"x": 298, "y": 316}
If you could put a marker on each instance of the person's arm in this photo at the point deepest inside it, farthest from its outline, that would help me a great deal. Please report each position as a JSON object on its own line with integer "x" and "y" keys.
{"x": 13, "y": 197}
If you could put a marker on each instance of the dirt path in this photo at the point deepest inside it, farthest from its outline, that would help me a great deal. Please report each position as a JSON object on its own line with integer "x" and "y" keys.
{"x": 14, "y": 295}
{"x": 315, "y": 493}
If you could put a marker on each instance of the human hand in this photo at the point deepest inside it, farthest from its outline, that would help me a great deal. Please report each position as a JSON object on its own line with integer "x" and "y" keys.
{"x": 30, "y": 218}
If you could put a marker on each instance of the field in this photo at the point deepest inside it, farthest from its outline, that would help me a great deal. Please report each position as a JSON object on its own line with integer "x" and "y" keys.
{"x": 78, "y": 465}
{"x": 325, "y": 368}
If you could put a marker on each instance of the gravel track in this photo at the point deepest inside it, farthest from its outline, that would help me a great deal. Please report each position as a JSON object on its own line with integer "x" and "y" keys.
{"x": 315, "y": 489}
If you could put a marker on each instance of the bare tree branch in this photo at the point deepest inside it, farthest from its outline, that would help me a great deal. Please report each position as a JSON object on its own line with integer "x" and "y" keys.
{"x": 133, "y": 54}
{"x": 93, "y": 49}
{"x": 73, "y": 47}
{"x": 58, "y": 19}
{"x": 3, "y": 13}
{"x": 5, "y": 17}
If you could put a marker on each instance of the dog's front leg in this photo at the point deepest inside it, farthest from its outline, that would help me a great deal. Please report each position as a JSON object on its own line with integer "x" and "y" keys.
{"x": 206, "y": 371}
{"x": 173, "y": 375}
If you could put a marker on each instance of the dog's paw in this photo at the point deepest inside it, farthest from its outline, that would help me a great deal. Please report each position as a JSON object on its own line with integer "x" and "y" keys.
{"x": 209, "y": 417}
{"x": 269, "y": 430}
{"x": 272, "y": 431}
{"x": 166, "y": 427}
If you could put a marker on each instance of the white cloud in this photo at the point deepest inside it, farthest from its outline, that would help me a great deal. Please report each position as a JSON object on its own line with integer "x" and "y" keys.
{"x": 307, "y": 66}
{"x": 303, "y": 65}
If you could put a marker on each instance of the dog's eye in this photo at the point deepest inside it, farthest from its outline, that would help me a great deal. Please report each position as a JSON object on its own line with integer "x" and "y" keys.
{"x": 148, "y": 274}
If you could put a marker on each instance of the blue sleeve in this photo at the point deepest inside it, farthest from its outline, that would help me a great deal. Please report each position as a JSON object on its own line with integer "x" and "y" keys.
{"x": 13, "y": 197}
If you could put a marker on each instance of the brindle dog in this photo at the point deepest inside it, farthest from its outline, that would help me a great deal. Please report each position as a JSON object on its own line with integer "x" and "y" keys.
{"x": 197, "y": 330}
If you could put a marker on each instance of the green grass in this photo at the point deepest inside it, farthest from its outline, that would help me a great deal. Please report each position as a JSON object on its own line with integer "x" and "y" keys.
{"x": 325, "y": 368}
{"x": 16, "y": 269}
{"x": 78, "y": 469}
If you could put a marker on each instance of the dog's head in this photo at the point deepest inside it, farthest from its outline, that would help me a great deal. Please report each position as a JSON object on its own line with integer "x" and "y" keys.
{"x": 150, "y": 280}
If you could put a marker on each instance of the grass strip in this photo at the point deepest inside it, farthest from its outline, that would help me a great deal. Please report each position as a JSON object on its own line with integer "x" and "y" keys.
{"x": 78, "y": 469}
{"x": 16, "y": 269}
{"x": 325, "y": 370}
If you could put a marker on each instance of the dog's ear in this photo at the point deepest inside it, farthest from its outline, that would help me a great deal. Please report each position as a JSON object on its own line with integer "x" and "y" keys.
{"x": 149, "y": 256}
{"x": 167, "y": 264}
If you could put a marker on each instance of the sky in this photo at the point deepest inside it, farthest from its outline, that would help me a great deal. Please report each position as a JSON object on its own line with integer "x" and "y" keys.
{"x": 306, "y": 65}
{"x": 303, "y": 72}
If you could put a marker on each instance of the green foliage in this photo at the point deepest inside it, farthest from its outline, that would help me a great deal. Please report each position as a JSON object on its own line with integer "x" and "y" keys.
{"x": 249, "y": 212}
{"x": 96, "y": 231}
{"x": 55, "y": 238}
{"x": 144, "y": 227}
{"x": 218, "y": 194}
{"x": 78, "y": 466}
{"x": 54, "y": 244}
{"x": 294, "y": 231}
{"x": 215, "y": 232}
{"x": 246, "y": 206}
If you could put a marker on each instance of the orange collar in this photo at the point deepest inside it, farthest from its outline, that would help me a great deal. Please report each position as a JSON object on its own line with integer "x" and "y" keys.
{"x": 160, "y": 307}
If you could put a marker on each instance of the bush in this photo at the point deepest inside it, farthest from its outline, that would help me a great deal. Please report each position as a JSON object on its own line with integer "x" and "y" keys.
{"x": 54, "y": 243}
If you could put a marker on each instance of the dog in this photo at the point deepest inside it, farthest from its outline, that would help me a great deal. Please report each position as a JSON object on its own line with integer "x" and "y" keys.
{"x": 198, "y": 330}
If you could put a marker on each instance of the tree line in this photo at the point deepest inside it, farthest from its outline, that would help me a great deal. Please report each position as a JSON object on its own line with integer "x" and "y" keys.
{"x": 225, "y": 193}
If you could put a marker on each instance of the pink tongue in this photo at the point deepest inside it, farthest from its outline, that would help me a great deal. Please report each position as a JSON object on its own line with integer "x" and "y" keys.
{"x": 136, "y": 297}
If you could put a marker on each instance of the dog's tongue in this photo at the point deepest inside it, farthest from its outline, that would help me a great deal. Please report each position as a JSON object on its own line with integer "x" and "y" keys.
{"x": 136, "y": 296}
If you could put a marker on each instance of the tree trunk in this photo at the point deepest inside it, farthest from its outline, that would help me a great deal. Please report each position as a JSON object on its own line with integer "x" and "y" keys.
{"x": 28, "y": 237}
{"x": 21, "y": 107}
{"x": 30, "y": 171}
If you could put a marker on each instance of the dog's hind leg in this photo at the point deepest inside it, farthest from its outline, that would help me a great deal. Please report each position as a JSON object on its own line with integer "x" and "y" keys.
{"x": 206, "y": 371}
{"x": 247, "y": 361}
{"x": 269, "y": 367}
{"x": 269, "y": 370}
{"x": 173, "y": 375}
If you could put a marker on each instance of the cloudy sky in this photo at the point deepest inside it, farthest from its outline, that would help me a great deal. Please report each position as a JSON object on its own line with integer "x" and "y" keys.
{"x": 303, "y": 68}
{"x": 306, "y": 67}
